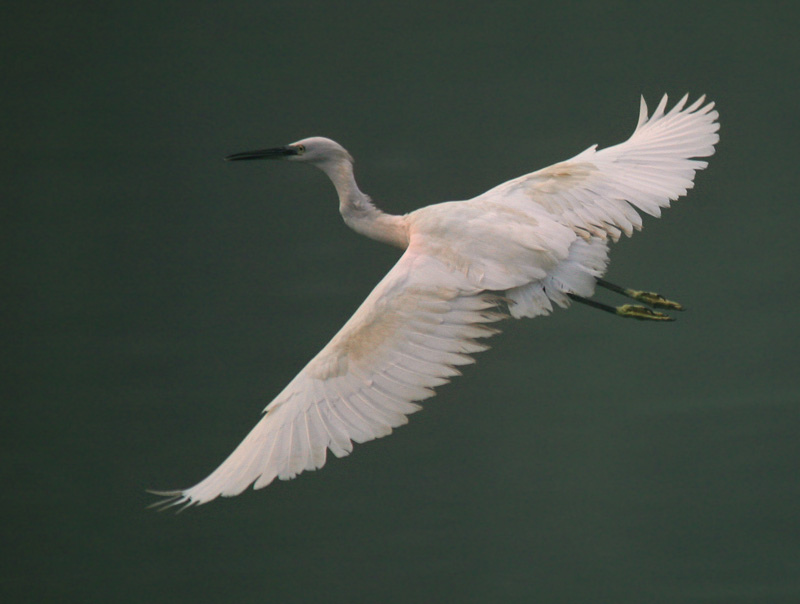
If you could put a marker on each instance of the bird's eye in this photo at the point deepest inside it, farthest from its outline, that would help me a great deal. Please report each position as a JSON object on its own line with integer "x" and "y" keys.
{"x": 300, "y": 149}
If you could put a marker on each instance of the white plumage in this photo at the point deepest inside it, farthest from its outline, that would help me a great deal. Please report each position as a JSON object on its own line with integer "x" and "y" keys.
{"x": 523, "y": 245}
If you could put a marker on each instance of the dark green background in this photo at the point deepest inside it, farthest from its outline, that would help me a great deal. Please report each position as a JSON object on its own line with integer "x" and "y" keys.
{"x": 156, "y": 298}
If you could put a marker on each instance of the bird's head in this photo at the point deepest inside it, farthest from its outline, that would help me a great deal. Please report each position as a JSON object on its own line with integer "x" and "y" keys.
{"x": 316, "y": 150}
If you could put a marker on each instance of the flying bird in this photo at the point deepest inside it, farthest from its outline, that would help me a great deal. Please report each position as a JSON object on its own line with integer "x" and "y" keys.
{"x": 514, "y": 251}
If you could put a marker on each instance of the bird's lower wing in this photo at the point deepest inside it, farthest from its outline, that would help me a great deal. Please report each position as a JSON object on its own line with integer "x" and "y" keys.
{"x": 419, "y": 323}
{"x": 598, "y": 192}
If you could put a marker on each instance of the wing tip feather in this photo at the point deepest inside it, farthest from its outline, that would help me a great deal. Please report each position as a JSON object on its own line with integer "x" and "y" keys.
{"x": 171, "y": 499}
{"x": 642, "y": 112}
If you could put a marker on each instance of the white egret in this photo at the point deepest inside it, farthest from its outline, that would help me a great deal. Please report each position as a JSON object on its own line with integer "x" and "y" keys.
{"x": 533, "y": 241}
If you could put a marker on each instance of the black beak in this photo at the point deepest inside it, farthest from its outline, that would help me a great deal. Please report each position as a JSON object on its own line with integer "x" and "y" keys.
{"x": 276, "y": 153}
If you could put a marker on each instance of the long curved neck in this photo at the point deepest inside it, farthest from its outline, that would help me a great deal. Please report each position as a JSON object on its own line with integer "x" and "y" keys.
{"x": 358, "y": 211}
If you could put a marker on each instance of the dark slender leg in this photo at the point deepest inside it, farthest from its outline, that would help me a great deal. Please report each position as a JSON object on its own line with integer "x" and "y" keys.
{"x": 630, "y": 311}
{"x": 650, "y": 298}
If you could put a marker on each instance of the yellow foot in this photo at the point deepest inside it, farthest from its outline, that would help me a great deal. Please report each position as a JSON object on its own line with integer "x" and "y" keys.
{"x": 642, "y": 313}
{"x": 653, "y": 299}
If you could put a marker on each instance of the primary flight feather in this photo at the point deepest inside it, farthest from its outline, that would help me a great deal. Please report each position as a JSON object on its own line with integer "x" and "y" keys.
{"x": 533, "y": 241}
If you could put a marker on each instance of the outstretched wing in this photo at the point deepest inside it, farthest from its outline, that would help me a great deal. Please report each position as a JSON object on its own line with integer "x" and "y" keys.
{"x": 417, "y": 325}
{"x": 595, "y": 192}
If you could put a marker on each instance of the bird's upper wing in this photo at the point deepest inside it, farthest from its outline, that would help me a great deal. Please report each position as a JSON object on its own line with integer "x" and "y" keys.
{"x": 418, "y": 323}
{"x": 595, "y": 192}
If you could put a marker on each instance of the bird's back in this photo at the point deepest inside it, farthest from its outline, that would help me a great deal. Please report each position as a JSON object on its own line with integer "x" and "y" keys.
{"x": 496, "y": 246}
